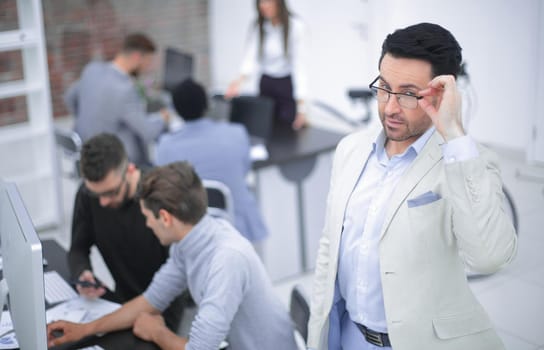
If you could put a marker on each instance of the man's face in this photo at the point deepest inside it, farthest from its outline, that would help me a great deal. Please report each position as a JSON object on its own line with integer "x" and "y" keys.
{"x": 143, "y": 63}
{"x": 156, "y": 225}
{"x": 112, "y": 191}
{"x": 404, "y": 75}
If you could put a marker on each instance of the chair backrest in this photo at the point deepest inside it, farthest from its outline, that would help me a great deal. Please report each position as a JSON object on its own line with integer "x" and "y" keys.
{"x": 70, "y": 144}
{"x": 220, "y": 203}
{"x": 300, "y": 312}
{"x": 256, "y": 113}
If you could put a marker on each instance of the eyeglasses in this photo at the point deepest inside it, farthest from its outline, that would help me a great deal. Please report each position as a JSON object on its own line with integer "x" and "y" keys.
{"x": 110, "y": 193}
{"x": 405, "y": 99}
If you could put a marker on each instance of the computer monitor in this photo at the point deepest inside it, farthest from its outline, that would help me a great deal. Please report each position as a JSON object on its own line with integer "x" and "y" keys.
{"x": 256, "y": 113}
{"x": 22, "y": 270}
{"x": 178, "y": 66}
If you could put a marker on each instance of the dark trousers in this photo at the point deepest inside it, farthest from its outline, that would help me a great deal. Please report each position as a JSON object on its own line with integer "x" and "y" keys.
{"x": 281, "y": 91}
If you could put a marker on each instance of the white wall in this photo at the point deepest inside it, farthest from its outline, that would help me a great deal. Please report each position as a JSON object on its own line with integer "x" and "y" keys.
{"x": 536, "y": 149}
{"x": 499, "y": 38}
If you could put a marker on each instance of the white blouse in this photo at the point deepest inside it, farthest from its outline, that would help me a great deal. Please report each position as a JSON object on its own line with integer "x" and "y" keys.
{"x": 274, "y": 62}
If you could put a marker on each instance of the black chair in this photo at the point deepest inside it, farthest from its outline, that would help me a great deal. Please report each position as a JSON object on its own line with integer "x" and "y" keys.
{"x": 299, "y": 311}
{"x": 70, "y": 144}
{"x": 220, "y": 202}
{"x": 256, "y": 113}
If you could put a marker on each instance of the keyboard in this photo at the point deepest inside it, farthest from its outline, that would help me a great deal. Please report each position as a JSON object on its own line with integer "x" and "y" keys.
{"x": 56, "y": 288}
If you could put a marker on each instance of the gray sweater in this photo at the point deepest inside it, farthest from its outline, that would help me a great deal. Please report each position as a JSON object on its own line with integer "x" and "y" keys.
{"x": 229, "y": 284}
{"x": 107, "y": 100}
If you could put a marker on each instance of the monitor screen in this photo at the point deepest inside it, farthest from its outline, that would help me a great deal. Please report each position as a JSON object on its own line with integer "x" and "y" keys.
{"x": 22, "y": 270}
{"x": 256, "y": 113}
{"x": 178, "y": 66}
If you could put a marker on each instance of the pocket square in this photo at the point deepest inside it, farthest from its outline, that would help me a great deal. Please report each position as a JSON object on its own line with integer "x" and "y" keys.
{"x": 425, "y": 198}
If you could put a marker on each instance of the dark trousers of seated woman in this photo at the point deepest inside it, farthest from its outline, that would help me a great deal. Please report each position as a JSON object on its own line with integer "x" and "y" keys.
{"x": 281, "y": 91}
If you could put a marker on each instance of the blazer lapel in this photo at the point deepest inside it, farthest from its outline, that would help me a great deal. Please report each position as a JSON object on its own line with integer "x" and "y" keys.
{"x": 355, "y": 163}
{"x": 429, "y": 156}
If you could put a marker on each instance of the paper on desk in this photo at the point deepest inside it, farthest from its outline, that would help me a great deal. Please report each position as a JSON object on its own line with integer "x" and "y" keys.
{"x": 258, "y": 152}
{"x": 8, "y": 341}
{"x": 81, "y": 309}
{"x": 67, "y": 311}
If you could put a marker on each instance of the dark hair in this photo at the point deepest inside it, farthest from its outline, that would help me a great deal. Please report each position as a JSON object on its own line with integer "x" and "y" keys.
{"x": 175, "y": 188}
{"x": 283, "y": 13}
{"x": 190, "y": 100}
{"x": 100, "y": 155}
{"x": 138, "y": 42}
{"x": 428, "y": 42}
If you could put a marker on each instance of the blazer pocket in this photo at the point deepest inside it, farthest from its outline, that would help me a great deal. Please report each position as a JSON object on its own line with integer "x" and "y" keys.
{"x": 461, "y": 324}
{"x": 424, "y": 199}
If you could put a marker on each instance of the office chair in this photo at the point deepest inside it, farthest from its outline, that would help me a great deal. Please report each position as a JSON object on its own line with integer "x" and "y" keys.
{"x": 299, "y": 311}
{"x": 256, "y": 113}
{"x": 70, "y": 144}
{"x": 361, "y": 96}
{"x": 220, "y": 202}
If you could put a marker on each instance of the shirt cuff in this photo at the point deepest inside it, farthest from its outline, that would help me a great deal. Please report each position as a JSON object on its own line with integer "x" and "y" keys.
{"x": 460, "y": 149}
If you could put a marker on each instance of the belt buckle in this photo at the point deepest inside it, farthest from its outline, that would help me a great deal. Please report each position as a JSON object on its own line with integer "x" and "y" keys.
{"x": 373, "y": 338}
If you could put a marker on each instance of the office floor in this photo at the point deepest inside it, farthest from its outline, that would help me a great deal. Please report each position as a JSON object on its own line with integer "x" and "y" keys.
{"x": 513, "y": 297}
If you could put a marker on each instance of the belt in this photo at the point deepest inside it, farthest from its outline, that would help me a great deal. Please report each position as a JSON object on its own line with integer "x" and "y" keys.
{"x": 373, "y": 337}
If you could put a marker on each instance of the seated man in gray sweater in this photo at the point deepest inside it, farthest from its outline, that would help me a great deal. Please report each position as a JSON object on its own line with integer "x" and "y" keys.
{"x": 226, "y": 278}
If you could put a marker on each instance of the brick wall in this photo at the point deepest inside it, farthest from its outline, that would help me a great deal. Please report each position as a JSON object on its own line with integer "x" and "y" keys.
{"x": 13, "y": 109}
{"x": 78, "y": 31}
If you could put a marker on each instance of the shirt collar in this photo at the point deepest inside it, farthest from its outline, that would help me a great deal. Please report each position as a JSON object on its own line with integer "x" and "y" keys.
{"x": 378, "y": 147}
{"x": 119, "y": 70}
{"x": 200, "y": 121}
{"x": 268, "y": 26}
{"x": 197, "y": 239}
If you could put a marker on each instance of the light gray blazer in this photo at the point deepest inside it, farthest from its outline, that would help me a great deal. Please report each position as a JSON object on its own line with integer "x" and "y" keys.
{"x": 423, "y": 249}
{"x": 106, "y": 100}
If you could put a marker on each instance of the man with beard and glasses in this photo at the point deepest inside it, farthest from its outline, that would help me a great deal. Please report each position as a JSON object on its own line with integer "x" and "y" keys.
{"x": 106, "y": 99}
{"x": 408, "y": 211}
{"x": 107, "y": 215}
{"x": 235, "y": 298}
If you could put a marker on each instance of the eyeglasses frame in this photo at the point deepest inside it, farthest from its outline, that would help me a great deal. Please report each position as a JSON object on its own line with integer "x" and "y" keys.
{"x": 374, "y": 88}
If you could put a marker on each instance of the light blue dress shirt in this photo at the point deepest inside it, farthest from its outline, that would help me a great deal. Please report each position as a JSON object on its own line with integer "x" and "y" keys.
{"x": 228, "y": 282}
{"x": 358, "y": 280}
{"x": 218, "y": 151}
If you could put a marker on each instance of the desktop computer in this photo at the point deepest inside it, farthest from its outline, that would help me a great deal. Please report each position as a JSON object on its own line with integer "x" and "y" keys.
{"x": 22, "y": 270}
{"x": 178, "y": 66}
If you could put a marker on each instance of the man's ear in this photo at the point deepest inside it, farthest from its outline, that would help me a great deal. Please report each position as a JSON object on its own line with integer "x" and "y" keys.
{"x": 165, "y": 217}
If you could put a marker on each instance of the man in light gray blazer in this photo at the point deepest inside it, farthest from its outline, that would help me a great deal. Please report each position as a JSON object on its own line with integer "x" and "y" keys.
{"x": 408, "y": 212}
{"x": 217, "y": 150}
{"x": 106, "y": 99}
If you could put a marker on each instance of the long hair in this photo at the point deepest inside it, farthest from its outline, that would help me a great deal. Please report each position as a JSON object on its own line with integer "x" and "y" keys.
{"x": 283, "y": 14}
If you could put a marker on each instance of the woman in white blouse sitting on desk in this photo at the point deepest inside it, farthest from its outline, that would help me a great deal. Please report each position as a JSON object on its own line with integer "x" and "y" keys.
{"x": 275, "y": 50}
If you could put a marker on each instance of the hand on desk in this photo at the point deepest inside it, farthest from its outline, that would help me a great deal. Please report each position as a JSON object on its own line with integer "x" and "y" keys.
{"x": 300, "y": 121}
{"x": 61, "y": 332}
{"x": 89, "y": 292}
{"x": 165, "y": 115}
